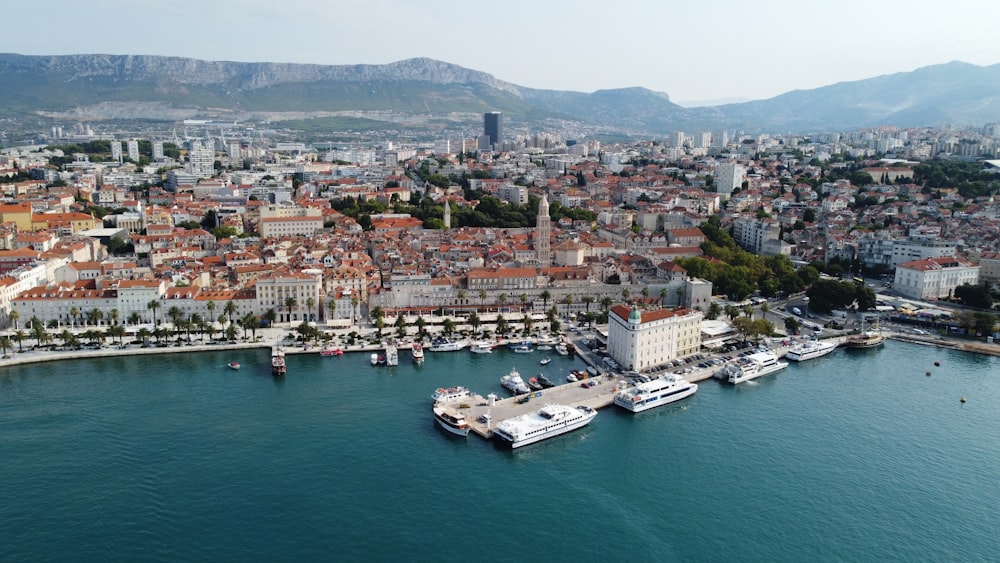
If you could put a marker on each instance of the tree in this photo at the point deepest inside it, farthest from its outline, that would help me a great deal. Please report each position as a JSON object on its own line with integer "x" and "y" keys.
{"x": 270, "y": 316}
{"x": 503, "y": 327}
{"x": 587, "y": 301}
{"x": 211, "y": 311}
{"x": 421, "y": 327}
{"x": 117, "y": 330}
{"x": 20, "y": 335}
{"x": 974, "y": 295}
{"x": 95, "y": 315}
{"x": 6, "y": 346}
{"x": 290, "y": 303}
{"x": 13, "y": 316}
{"x": 175, "y": 315}
{"x": 400, "y": 325}
{"x": 133, "y": 318}
{"x": 792, "y": 325}
{"x": 502, "y": 299}
{"x": 475, "y": 321}
{"x": 310, "y": 306}
{"x": 332, "y": 305}
{"x": 545, "y": 298}
{"x": 144, "y": 334}
{"x": 606, "y": 303}
{"x": 74, "y": 314}
{"x": 626, "y": 293}
{"x": 229, "y": 309}
{"x": 448, "y": 326}
{"x": 354, "y": 307}
{"x": 153, "y": 306}
{"x": 482, "y": 297}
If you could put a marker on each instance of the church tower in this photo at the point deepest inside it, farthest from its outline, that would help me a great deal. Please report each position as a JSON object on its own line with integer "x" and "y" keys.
{"x": 447, "y": 214}
{"x": 543, "y": 233}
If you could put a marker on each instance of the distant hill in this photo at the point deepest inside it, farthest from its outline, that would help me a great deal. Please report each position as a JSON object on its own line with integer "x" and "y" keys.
{"x": 425, "y": 90}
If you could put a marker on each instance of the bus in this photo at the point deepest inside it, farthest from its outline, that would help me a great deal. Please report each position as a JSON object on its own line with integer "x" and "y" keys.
{"x": 859, "y": 281}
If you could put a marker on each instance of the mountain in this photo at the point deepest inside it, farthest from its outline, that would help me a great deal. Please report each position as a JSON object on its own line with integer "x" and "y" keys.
{"x": 428, "y": 92}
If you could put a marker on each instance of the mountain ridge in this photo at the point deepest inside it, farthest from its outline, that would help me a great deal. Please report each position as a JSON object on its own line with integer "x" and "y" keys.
{"x": 132, "y": 86}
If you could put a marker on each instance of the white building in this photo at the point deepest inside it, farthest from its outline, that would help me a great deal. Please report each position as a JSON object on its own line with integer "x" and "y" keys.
{"x": 934, "y": 278}
{"x": 728, "y": 177}
{"x": 647, "y": 340}
{"x": 274, "y": 291}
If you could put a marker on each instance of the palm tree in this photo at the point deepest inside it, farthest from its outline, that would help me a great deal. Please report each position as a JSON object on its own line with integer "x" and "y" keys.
{"x": 114, "y": 315}
{"x": 502, "y": 299}
{"x": 153, "y": 306}
{"x": 568, "y": 300}
{"x": 503, "y": 327}
{"x": 5, "y": 345}
{"x": 461, "y": 297}
{"x": 38, "y": 331}
{"x": 354, "y": 308}
{"x": 421, "y": 326}
{"x": 482, "y": 297}
{"x": 528, "y": 322}
{"x": 199, "y": 324}
{"x": 645, "y": 292}
{"x": 663, "y": 295}
{"x": 251, "y": 321}
{"x": 117, "y": 330}
{"x": 270, "y": 316}
{"x": 144, "y": 334}
{"x": 448, "y": 326}
{"x": 290, "y": 303}
{"x": 400, "y": 325}
{"x": 332, "y": 305}
{"x": 20, "y": 335}
{"x": 134, "y": 317}
{"x": 74, "y": 313}
{"x": 587, "y": 301}
{"x": 211, "y": 311}
{"x": 545, "y": 298}
{"x": 175, "y": 315}
{"x": 310, "y": 305}
{"x": 606, "y": 303}
{"x": 13, "y": 316}
{"x": 475, "y": 321}
{"x": 95, "y": 315}
{"x": 626, "y": 294}
{"x": 229, "y": 310}
{"x": 523, "y": 298}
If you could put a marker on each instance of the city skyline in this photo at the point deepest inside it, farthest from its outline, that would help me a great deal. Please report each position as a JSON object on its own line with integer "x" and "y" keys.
{"x": 735, "y": 52}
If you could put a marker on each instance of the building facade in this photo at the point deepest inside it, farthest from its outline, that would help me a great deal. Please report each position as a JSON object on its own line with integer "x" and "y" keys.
{"x": 933, "y": 278}
{"x": 647, "y": 340}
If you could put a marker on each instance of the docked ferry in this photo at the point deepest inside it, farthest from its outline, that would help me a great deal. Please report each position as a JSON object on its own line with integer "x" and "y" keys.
{"x": 451, "y": 394}
{"x": 655, "y": 393}
{"x": 750, "y": 367}
{"x": 550, "y": 421}
{"x": 453, "y": 422}
{"x": 809, "y": 350}
{"x": 277, "y": 361}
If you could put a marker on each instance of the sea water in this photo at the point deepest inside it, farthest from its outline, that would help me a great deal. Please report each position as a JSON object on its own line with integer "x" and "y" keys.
{"x": 859, "y": 455}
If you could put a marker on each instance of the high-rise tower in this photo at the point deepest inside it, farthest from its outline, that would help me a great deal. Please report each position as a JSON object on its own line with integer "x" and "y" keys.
{"x": 493, "y": 127}
{"x": 543, "y": 230}
{"x": 447, "y": 214}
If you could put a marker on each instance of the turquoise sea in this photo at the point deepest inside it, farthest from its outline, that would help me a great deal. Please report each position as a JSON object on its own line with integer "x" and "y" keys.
{"x": 858, "y": 456}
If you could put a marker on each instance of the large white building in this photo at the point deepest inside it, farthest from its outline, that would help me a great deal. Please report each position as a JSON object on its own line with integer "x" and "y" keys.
{"x": 642, "y": 340}
{"x": 728, "y": 177}
{"x": 933, "y": 278}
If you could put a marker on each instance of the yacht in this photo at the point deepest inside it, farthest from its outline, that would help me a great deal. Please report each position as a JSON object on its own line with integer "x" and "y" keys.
{"x": 374, "y": 359}
{"x": 655, "y": 393}
{"x": 391, "y": 355}
{"x": 535, "y": 384}
{"x": 451, "y": 394}
{"x": 481, "y": 347}
{"x": 523, "y": 348}
{"x": 810, "y": 349}
{"x": 453, "y": 422}
{"x": 417, "y": 353}
{"x": 550, "y": 421}
{"x": 446, "y": 345}
{"x": 750, "y": 367}
{"x": 513, "y": 382}
{"x": 277, "y": 361}
{"x": 562, "y": 350}
{"x": 544, "y": 381}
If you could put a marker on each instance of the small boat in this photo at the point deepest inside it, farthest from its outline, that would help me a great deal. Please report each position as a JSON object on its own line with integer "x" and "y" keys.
{"x": 329, "y": 353}
{"x": 544, "y": 381}
{"x": 562, "y": 350}
{"x": 572, "y": 378}
{"x": 522, "y": 349}
{"x": 545, "y": 361}
{"x": 544, "y": 348}
{"x": 233, "y": 365}
{"x": 534, "y": 384}
{"x": 374, "y": 359}
{"x": 417, "y": 353}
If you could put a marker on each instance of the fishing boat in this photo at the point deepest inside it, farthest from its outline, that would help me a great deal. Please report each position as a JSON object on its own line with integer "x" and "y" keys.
{"x": 233, "y": 365}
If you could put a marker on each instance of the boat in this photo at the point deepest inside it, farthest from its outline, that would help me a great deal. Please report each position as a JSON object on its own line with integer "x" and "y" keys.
{"x": 870, "y": 338}
{"x": 548, "y": 422}
{"x": 447, "y": 345}
{"x": 374, "y": 359}
{"x": 810, "y": 349}
{"x": 391, "y": 355}
{"x": 544, "y": 348}
{"x": 451, "y": 394}
{"x": 331, "y": 352}
{"x": 534, "y": 384}
{"x": 522, "y": 348}
{"x": 562, "y": 350}
{"x": 545, "y": 361}
{"x": 513, "y": 383}
{"x": 481, "y": 347}
{"x": 417, "y": 353}
{"x": 233, "y": 365}
{"x": 277, "y": 361}
{"x": 655, "y": 393}
{"x": 572, "y": 378}
{"x": 750, "y": 367}
{"x": 452, "y": 422}
{"x": 544, "y": 381}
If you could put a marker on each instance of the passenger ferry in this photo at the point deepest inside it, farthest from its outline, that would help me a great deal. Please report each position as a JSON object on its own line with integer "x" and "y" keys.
{"x": 550, "y": 421}
{"x": 453, "y": 422}
{"x": 451, "y": 394}
{"x": 750, "y": 367}
{"x": 810, "y": 349}
{"x": 655, "y": 393}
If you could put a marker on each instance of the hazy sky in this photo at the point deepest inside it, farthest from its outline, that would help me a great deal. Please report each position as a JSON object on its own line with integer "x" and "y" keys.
{"x": 691, "y": 51}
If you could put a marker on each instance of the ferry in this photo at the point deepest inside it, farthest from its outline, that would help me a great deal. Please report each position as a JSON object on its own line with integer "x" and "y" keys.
{"x": 809, "y": 350}
{"x": 417, "y": 353}
{"x": 452, "y": 422}
{"x": 513, "y": 382}
{"x": 655, "y": 393}
{"x": 451, "y": 394}
{"x": 550, "y": 421}
{"x": 446, "y": 345}
{"x": 391, "y": 355}
{"x": 481, "y": 347}
{"x": 750, "y": 367}
{"x": 277, "y": 361}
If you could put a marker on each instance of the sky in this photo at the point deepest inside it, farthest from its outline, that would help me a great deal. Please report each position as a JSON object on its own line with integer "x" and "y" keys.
{"x": 692, "y": 51}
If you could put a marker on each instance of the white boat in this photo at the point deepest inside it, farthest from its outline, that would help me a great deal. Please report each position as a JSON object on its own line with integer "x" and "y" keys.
{"x": 417, "y": 353}
{"x": 481, "y": 347}
{"x": 544, "y": 348}
{"x": 446, "y": 345}
{"x": 572, "y": 378}
{"x": 391, "y": 355}
{"x": 545, "y": 361}
{"x": 277, "y": 361}
{"x": 521, "y": 349}
{"x": 655, "y": 393}
{"x": 374, "y": 359}
{"x": 750, "y": 367}
{"x": 562, "y": 350}
{"x": 451, "y": 394}
{"x": 550, "y": 421}
{"x": 453, "y": 422}
{"x": 810, "y": 349}
{"x": 513, "y": 382}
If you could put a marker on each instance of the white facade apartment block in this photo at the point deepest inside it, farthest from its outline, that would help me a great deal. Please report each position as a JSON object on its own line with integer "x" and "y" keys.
{"x": 728, "y": 177}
